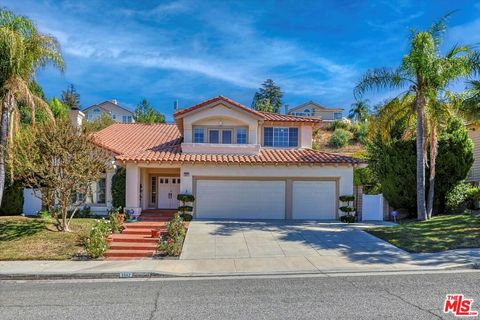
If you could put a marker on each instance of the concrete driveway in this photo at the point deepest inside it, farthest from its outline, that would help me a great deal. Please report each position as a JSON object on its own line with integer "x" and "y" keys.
{"x": 321, "y": 243}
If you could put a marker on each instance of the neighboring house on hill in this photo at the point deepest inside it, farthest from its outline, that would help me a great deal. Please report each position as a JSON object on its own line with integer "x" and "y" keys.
{"x": 315, "y": 110}
{"x": 237, "y": 162}
{"x": 112, "y": 108}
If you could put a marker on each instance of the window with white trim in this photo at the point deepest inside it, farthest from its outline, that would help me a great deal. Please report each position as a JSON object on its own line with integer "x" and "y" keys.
{"x": 280, "y": 137}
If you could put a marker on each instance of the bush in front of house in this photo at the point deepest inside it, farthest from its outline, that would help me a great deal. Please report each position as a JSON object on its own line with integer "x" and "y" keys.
{"x": 348, "y": 210}
{"x": 116, "y": 219}
{"x": 118, "y": 188}
{"x": 12, "y": 201}
{"x": 96, "y": 244}
{"x": 463, "y": 196}
{"x": 340, "y": 138}
{"x": 185, "y": 209}
{"x": 171, "y": 243}
{"x": 393, "y": 164}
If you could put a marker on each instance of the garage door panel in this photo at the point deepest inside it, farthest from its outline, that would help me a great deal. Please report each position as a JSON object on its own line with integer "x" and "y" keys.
{"x": 240, "y": 199}
{"x": 314, "y": 200}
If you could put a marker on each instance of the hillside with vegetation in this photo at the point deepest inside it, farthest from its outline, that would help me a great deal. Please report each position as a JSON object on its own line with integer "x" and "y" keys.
{"x": 342, "y": 137}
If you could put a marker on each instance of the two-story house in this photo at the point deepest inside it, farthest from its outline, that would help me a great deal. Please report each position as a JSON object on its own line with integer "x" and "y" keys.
{"x": 237, "y": 162}
{"x": 315, "y": 110}
{"x": 112, "y": 109}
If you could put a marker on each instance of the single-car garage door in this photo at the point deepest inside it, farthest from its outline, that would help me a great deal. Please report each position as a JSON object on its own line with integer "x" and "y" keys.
{"x": 314, "y": 200}
{"x": 240, "y": 199}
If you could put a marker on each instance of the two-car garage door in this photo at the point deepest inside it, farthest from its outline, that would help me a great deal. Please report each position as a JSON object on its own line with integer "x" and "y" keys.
{"x": 265, "y": 199}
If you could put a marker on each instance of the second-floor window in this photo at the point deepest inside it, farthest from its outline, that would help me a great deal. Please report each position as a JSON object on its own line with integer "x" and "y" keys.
{"x": 280, "y": 137}
{"x": 199, "y": 135}
{"x": 337, "y": 116}
{"x": 241, "y": 135}
{"x": 126, "y": 119}
{"x": 220, "y": 135}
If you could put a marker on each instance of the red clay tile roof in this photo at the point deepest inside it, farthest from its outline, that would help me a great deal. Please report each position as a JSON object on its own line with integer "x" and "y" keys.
{"x": 267, "y": 116}
{"x": 216, "y": 99}
{"x": 162, "y": 143}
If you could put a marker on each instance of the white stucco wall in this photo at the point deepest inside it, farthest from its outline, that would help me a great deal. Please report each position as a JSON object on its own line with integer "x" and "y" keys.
{"x": 306, "y": 137}
{"x": 343, "y": 173}
{"x": 220, "y": 113}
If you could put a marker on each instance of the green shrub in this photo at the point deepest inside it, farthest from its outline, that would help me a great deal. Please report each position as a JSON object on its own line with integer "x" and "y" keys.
{"x": 171, "y": 243}
{"x": 341, "y": 124}
{"x": 183, "y": 197}
{"x": 339, "y": 138}
{"x": 462, "y": 196}
{"x": 116, "y": 220}
{"x": 360, "y": 132}
{"x": 97, "y": 244}
{"x": 118, "y": 188}
{"x": 12, "y": 201}
{"x": 45, "y": 215}
{"x": 393, "y": 163}
{"x": 186, "y": 216}
{"x": 365, "y": 178}
{"x": 184, "y": 208}
{"x": 348, "y": 217}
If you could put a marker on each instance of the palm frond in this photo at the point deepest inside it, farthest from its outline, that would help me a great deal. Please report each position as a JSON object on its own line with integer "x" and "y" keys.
{"x": 439, "y": 27}
{"x": 382, "y": 78}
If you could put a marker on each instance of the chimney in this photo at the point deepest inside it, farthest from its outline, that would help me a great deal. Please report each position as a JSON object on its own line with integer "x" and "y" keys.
{"x": 76, "y": 118}
{"x": 114, "y": 101}
{"x": 175, "y": 105}
{"x": 286, "y": 109}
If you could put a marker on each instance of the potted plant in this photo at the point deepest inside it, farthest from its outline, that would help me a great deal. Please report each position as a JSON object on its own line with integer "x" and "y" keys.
{"x": 348, "y": 210}
{"x": 185, "y": 209}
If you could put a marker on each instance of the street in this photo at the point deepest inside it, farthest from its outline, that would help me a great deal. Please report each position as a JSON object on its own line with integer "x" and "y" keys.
{"x": 398, "y": 296}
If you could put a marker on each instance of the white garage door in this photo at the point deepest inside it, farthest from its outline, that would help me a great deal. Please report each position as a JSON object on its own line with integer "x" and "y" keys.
{"x": 314, "y": 200}
{"x": 240, "y": 199}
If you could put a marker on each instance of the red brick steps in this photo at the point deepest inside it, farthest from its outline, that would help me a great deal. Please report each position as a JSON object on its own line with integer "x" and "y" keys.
{"x": 130, "y": 253}
{"x": 135, "y": 241}
{"x": 134, "y": 245}
{"x": 132, "y": 238}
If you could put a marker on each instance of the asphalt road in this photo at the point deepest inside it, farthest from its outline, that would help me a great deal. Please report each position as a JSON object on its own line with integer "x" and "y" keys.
{"x": 403, "y": 296}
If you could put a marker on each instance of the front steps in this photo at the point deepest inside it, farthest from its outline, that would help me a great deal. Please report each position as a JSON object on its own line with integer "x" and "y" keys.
{"x": 135, "y": 241}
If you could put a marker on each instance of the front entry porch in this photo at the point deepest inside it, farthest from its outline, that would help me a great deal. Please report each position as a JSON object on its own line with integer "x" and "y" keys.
{"x": 150, "y": 186}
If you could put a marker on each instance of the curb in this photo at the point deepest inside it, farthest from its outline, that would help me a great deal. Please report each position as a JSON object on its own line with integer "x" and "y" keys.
{"x": 172, "y": 275}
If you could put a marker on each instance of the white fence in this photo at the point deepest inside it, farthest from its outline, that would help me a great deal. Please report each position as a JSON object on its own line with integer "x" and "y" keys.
{"x": 31, "y": 203}
{"x": 372, "y": 207}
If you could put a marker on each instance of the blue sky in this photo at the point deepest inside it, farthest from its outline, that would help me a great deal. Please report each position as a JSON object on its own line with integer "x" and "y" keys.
{"x": 195, "y": 50}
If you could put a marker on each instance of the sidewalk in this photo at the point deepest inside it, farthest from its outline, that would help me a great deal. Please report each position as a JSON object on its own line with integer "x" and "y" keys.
{"x": 228, "y": 267}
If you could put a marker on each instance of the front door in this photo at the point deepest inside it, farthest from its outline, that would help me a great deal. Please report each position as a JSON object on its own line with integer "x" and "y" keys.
{"x": 168, "y": 189}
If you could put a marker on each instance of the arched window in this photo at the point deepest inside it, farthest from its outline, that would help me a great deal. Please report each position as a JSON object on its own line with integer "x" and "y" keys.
{"x": 307, "y": 112}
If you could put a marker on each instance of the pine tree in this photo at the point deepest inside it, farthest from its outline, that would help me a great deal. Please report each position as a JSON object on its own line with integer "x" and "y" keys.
{"x": 268, "y": 98}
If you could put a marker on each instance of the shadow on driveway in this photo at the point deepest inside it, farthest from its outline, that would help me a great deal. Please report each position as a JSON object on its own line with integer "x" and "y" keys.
{"x": 326, "y": 241}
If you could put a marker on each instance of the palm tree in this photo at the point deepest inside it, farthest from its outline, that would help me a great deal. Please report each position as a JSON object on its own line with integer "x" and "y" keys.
{"x": 359, "y": 110}
{"x": 425, "y": 74}
{"x": 22, "y": 51}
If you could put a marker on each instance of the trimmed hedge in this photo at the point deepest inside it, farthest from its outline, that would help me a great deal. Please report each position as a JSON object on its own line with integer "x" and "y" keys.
{"x": 118, "y": 188}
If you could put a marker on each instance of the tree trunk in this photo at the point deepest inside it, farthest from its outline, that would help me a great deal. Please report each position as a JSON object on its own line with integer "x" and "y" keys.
{"x": 7, "y": 105}
{"x": 65, "y": 221}
{"x": 420, "y": 106}
{"x": 433, "y": 162}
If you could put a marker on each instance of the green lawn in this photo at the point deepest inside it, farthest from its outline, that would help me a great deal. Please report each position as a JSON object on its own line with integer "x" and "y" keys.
{"x": 36, "y": 239}
{"x": 438, "y": 234}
